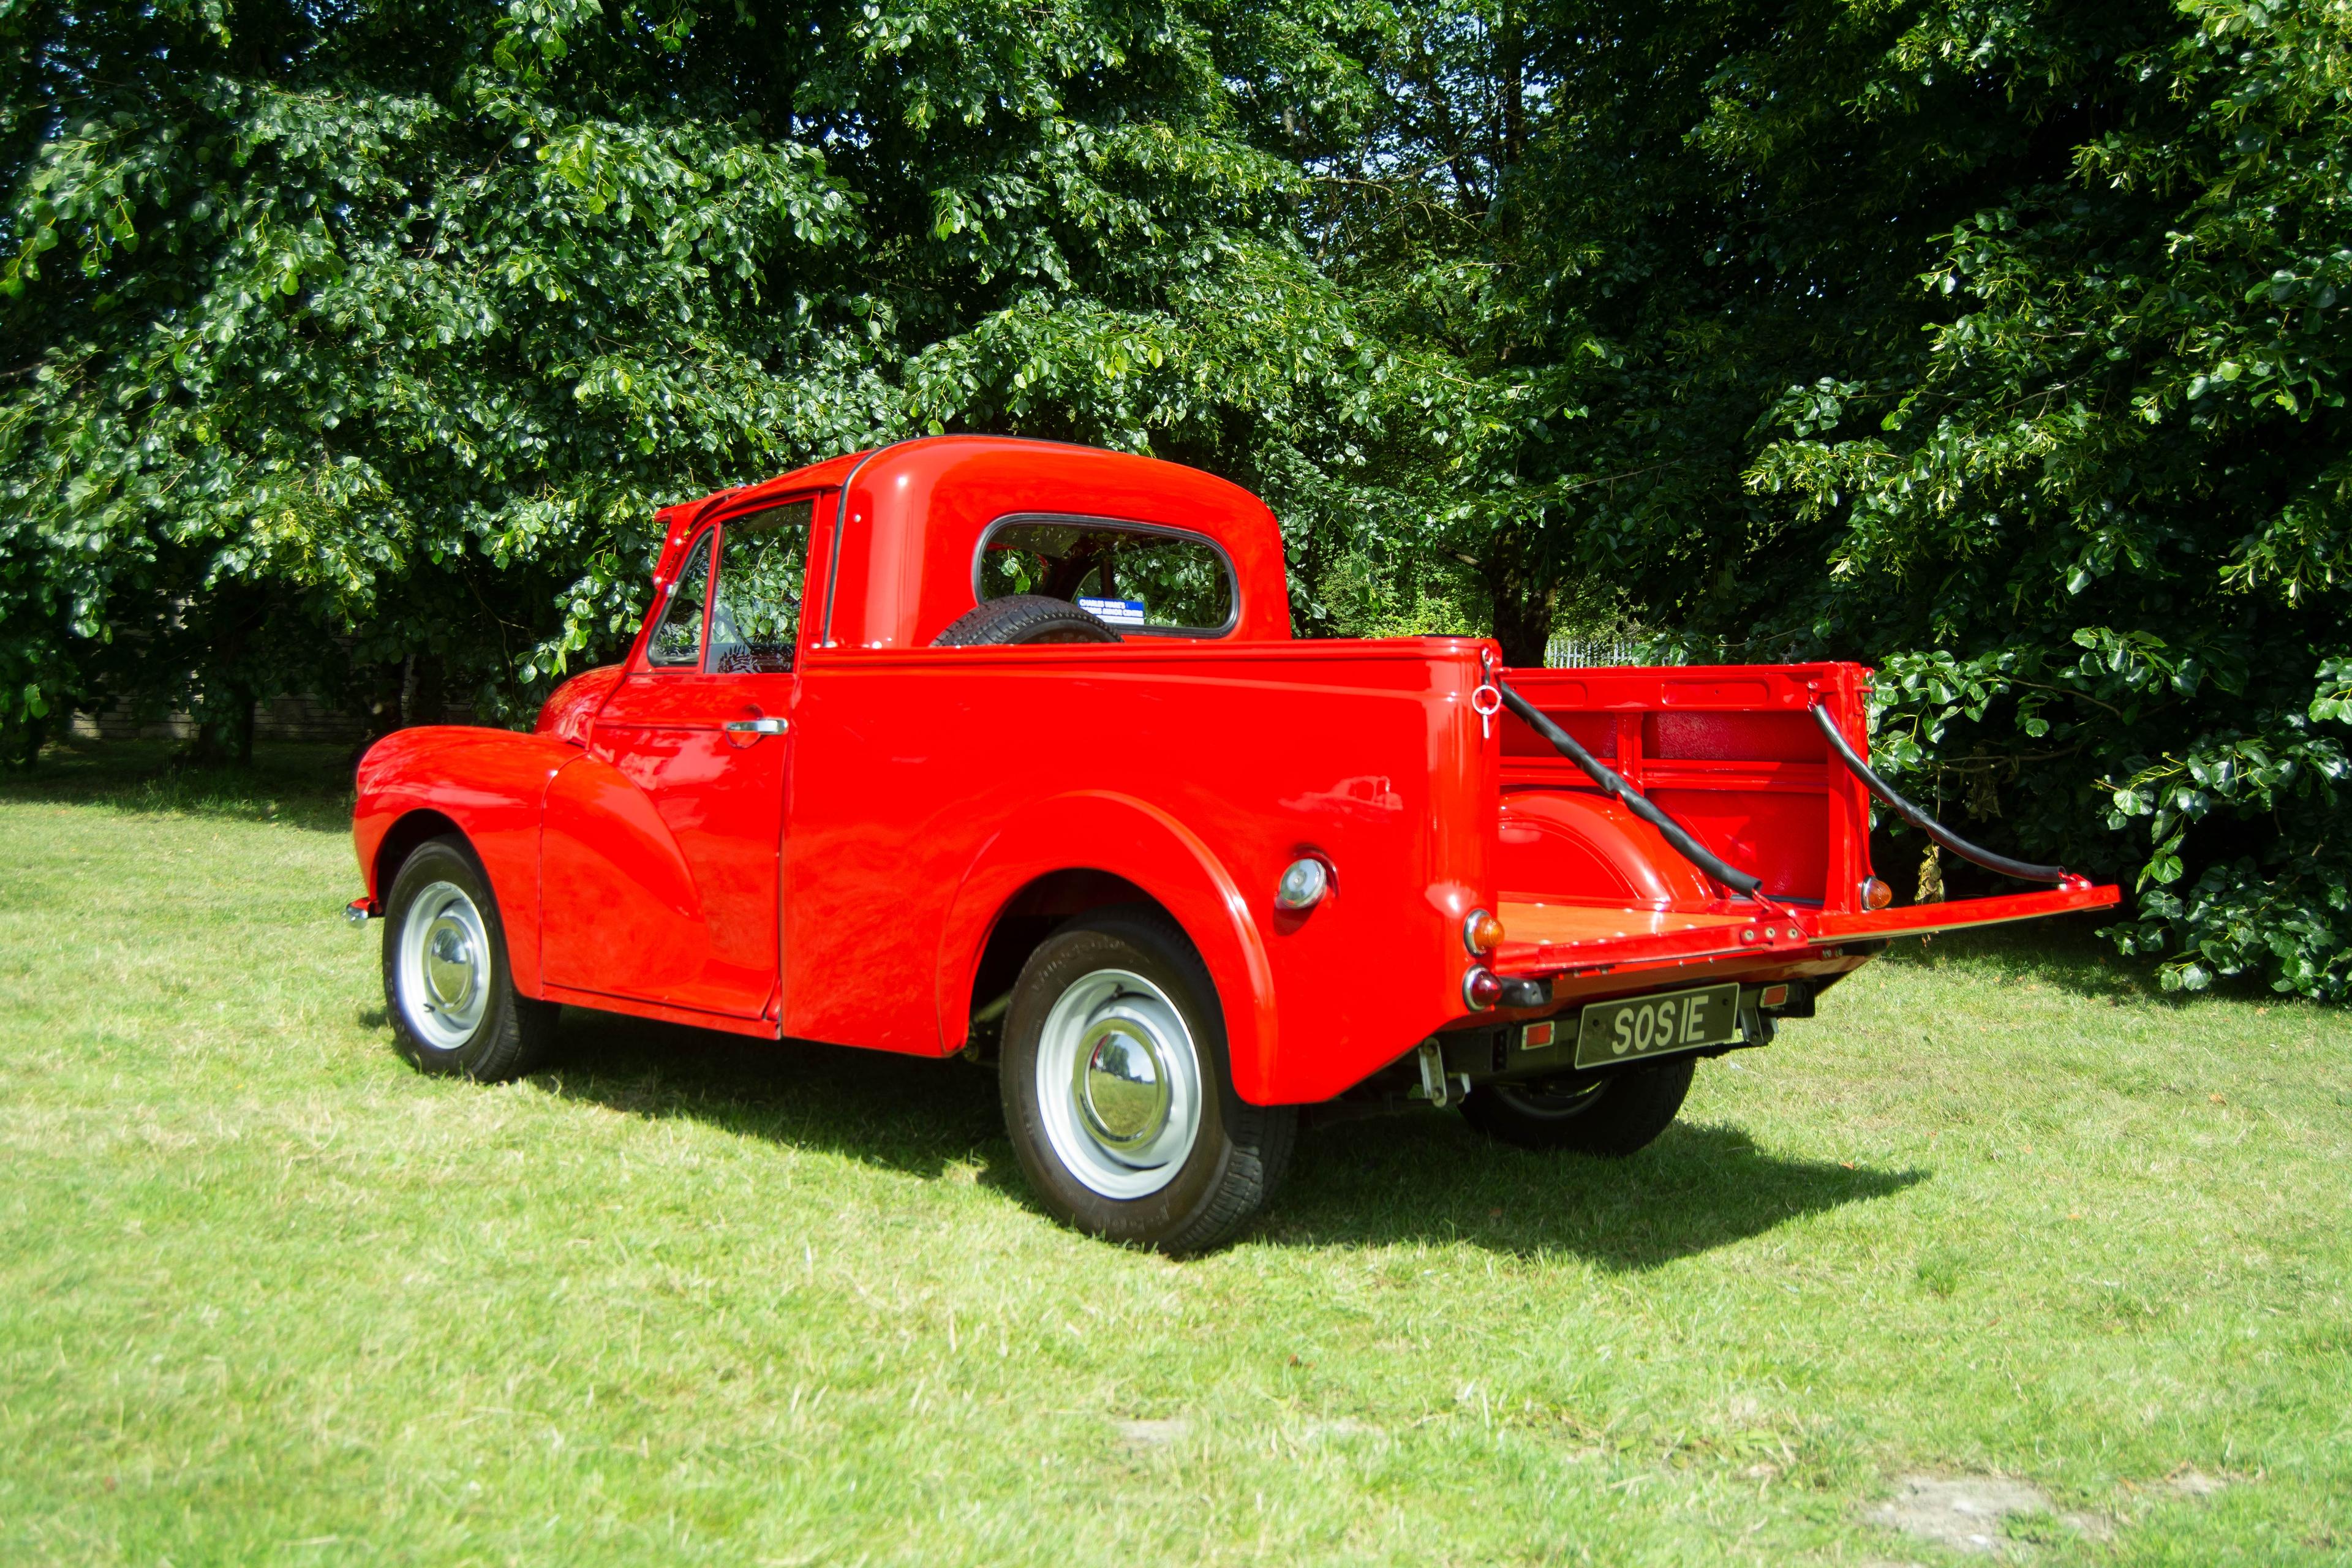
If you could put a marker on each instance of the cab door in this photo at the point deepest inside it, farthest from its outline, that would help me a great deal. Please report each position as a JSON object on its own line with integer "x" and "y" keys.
{"x": 662, "y": 847}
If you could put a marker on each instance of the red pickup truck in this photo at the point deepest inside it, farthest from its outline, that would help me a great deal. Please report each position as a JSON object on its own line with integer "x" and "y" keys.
{"x": 1004, "y": 748}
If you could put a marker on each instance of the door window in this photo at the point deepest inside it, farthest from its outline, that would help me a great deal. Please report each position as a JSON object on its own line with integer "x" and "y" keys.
{"x": 679, "y": 639}
{"x": 755, "y": 617}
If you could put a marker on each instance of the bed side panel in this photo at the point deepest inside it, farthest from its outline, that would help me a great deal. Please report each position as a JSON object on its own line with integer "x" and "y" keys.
{"x": 908, "y": 765}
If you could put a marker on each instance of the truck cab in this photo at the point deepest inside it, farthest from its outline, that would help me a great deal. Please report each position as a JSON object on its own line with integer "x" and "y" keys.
{"x": 1004, "y": 749}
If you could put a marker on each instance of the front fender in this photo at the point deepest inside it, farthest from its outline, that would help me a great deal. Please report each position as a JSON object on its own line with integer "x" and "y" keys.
{"x": 1136, "y": 840}
{"x": 491, "y": 785}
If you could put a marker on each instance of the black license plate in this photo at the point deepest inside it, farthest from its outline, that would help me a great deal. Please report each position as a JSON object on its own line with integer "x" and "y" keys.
{"x": 1657, "y": 1025}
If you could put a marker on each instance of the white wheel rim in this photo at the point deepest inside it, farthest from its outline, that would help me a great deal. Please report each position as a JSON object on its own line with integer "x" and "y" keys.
{"x": 444, "y": 966}
{"x": 1118, "y": 1084}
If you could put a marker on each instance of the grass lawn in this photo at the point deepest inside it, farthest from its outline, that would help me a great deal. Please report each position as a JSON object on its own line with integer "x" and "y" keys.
{"x": 267, "y": 1296}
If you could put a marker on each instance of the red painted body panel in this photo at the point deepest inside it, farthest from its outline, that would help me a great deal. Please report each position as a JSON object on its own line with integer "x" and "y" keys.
{"x": 931, "y": 785}
{"x": 663, "y": 844}
{"x": 490, "y": 783}
{"x": 572, "y": 709}
{"x": 913, "y": 514}
{"x": 842, "y": 881}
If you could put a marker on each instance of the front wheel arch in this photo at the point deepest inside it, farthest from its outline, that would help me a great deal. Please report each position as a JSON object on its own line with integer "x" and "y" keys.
{"x": 500, "y": 1034}
{"x": 403, "y": 838}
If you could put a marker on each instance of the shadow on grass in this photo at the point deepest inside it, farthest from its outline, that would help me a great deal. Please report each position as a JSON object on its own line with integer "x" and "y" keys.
{"x": 302, "y": 785}
{"x": 1429, "y": 1177}
{"x": 915, "y": 1115}
{"x": 1421, "y": 1176}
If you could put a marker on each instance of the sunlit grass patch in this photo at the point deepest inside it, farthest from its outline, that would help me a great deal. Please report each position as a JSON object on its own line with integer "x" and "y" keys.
{"x": 2003, "y": 1211}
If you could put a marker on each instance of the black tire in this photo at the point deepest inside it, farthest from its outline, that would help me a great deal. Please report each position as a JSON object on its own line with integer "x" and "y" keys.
{"x": 1025, "y": 618}
{"x": 1617, "y": 1115}
{"x": 509, "y": 1034}
{"x": 1240, "y": 1151}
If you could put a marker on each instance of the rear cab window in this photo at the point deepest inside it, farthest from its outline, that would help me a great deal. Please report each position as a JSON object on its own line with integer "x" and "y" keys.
{"x": 1135, "y": 577}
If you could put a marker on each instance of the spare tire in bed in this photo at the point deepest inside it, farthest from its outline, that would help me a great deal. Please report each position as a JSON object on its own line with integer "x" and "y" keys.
{"x": 1025, "y": 618}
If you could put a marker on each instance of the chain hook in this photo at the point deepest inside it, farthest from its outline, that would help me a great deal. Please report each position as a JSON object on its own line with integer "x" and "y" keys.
{"x": 1487, "y": 699}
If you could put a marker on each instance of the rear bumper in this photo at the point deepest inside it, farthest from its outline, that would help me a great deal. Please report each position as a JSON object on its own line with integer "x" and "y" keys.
{"x": 1589, "y": 942}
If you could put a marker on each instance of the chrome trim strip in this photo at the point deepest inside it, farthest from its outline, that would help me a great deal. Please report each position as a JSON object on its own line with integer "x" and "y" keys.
{"x": 840, "y": 514}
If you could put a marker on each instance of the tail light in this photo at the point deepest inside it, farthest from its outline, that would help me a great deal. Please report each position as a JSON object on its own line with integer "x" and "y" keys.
{"x": 1481, "y": 933}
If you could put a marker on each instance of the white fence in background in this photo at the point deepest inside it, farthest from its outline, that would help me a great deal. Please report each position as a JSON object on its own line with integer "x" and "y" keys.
{"x": 1589, "y": 653}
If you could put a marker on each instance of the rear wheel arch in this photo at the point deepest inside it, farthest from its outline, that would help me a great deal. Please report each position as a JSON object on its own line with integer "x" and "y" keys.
{"x": 1030, "y": 915}
{"x": 1151, "y": 859}
{"x": 1589, "y": 845}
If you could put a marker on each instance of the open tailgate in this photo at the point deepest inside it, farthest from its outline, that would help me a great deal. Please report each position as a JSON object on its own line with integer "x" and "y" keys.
{"x": 1745, "y": 761}
{"x": 1557, "y": 939}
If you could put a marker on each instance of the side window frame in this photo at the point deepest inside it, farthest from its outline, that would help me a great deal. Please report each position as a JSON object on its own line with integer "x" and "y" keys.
{"x": 723, "y": 528}
{"x": 705, "y": 537}
{"x": 1122, "y": 525}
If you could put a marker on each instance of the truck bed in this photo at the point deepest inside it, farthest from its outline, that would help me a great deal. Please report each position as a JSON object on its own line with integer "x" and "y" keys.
{"x": 1370, "y": 753}
{"x": 1732, "y": 753}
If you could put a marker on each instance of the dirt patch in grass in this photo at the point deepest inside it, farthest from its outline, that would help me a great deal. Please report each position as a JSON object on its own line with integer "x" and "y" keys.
{"x": 1154, "y": 1433}
{"x": 1971, "y": 1513}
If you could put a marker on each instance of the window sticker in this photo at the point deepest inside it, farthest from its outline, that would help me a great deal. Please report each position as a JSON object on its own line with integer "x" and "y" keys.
{"x": 1117, "y": 611}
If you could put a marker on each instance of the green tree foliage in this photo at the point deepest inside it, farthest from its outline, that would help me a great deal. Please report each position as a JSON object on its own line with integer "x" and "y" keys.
{"x": 2101, "y": 523}
{"x": 343, "y": 339}
{"x": 1996, "y": 344}
{"x": 349, "y": 346}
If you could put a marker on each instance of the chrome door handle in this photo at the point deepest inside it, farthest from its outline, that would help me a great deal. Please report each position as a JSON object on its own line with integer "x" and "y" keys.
{"x": 758, "y": 726}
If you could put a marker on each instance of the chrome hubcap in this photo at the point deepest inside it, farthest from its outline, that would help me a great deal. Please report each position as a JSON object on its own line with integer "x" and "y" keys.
{"x": 449, "y": 964}
{"x": 1118, "y": 1082}
{"x": 1122, "y": 1084}
{"x": 444, "y": 966}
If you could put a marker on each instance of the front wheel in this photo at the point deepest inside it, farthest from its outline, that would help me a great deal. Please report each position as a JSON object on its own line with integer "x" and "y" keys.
{"x": 1617, "y": 1115}
{"x": 1118, "y": 1093}
{"x": 446, "y": 986}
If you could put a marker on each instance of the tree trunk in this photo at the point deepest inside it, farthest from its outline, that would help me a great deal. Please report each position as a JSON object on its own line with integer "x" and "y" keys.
{"x": 422, "y": 699}
{"x": 241, "y": 723}
{"x": 1511, "y": 41}
{"x": 1521, "y": 603}
{"x": 20, "y": 743}
{"x": 226, "y": 734}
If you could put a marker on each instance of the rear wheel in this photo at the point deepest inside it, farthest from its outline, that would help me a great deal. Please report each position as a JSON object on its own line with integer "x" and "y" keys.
{"x": 447, "y": 984}
{"x": 1616, "y": 1115}
{"x": 1117, "y": 1091}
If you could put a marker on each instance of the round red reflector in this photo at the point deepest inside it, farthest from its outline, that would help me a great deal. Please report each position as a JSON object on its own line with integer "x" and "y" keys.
{"x": 1481, "y": 989}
